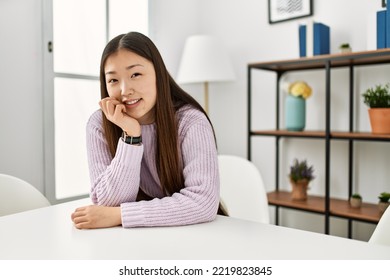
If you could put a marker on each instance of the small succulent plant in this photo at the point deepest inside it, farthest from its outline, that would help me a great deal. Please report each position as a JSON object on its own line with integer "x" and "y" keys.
{"x": 384, "y": 197}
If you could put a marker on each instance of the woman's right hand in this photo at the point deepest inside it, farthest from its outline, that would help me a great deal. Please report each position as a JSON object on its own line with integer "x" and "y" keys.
{"x": 115, "y": 112}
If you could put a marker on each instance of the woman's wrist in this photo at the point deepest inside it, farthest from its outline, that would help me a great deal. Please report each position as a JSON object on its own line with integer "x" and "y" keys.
{"x": 132, "y": 140}
{"x": 117, "y": 215}
{"x": 132, "y": 128}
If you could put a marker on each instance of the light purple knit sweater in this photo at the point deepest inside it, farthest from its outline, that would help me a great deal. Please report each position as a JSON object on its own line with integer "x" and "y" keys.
{"x": 115, "y": 181}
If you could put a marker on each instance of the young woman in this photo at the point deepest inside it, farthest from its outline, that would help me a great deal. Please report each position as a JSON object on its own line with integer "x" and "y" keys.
{"x": 151, "y": 148}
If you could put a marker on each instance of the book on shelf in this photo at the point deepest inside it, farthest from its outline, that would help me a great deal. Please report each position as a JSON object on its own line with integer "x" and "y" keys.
{"x": 321, "y": 37}
{"x": 302, "y": 40}
{"x": 387, "y": 26}
{"x": 381, "y": 29}
{"x": 314, "y": 39}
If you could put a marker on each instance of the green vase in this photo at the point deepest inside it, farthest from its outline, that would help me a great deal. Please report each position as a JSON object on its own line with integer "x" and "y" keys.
{"x": 295, "y": 113}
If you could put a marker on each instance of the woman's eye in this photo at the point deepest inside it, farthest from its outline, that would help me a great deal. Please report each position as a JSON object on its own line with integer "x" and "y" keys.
{"x": 135, "y": 75}
{"x": 111, "y": 81}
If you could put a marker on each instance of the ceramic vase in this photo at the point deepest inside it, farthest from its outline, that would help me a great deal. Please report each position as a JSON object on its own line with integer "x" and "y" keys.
{"x": 345, "y": 50}
{"x": 379, "y": 120}
{"x": 295, "y": 113}
{"x": 383, "y": 206}
{"x": 355, "y": 202}
{"x": 299, "y": 189}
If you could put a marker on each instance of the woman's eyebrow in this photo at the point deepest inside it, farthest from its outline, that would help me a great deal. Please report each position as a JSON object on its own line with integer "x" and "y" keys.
{"x": 127, "y": 68}
{"x": 132, "y": 66}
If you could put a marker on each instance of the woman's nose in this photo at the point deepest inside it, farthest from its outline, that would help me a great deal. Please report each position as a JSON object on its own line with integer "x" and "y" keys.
{"x": 126, "y": 89}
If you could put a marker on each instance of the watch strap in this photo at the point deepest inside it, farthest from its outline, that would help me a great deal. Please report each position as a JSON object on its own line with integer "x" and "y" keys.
{"x": 132, "y": 140}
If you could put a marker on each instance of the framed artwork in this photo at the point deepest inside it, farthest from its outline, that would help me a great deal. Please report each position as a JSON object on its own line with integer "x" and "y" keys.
{"x": 283, "y": 10}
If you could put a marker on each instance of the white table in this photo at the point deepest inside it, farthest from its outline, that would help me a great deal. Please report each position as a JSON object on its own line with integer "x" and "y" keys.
{"x": 48, "y": 233}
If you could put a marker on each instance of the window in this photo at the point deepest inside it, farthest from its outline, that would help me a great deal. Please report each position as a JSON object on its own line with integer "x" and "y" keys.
{"x": 80, "y": 30}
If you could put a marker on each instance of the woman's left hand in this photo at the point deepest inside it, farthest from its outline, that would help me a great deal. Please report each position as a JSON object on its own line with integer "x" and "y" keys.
{"x": 94, "y": 216}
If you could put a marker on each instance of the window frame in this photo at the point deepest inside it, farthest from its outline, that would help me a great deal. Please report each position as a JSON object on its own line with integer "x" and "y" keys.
{"x": 48, "y": 97}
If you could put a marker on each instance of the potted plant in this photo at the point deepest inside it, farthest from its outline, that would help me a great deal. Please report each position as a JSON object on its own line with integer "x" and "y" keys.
{"x": 383, "y": 203}
{"x": 295, "y": 105}
{"x": 356, "y": 200}
{"x": 345, "y": 48}
{"x": 300, "y": 176}
{"x": 378, "y": 99}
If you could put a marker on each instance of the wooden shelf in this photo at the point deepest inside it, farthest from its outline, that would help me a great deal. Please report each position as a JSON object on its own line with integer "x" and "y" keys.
{"x": 283, "y": 198}
{"x": 319, "y": 61}
{"x": 286, "y": 133}
{"x": 367, "y": 212}
{"x": 321, "y": 134}
{"x": 360, "y": 136}
{"x": 338, "y": 207}
{"x": 322, "y": 205}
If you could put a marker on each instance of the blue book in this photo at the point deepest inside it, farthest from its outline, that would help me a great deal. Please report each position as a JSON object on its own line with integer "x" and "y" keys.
{"x": 302, "y": 40}
{"x": 321, "y": 37}
{"x": 381, "y": 29}
{"x": 387, "y": 26}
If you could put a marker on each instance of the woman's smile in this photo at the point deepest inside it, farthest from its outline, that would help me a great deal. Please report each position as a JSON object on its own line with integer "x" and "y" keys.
{"x": 131, "y": 103}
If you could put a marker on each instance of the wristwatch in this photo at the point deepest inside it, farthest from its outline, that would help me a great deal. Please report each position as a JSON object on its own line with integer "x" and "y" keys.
{"x": 131, "y": 139}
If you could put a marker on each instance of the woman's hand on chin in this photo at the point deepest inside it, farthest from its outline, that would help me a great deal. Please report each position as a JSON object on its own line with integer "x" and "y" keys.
{"x": 115, "y": 112}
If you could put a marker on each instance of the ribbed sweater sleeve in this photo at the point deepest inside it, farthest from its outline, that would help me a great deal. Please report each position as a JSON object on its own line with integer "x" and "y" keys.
{"x": 115, "y": 180}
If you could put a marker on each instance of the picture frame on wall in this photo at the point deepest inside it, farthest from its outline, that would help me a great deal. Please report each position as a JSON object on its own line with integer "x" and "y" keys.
{"x": 283, "y": 10}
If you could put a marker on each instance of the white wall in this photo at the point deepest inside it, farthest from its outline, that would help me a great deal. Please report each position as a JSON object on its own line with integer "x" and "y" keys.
{"x": 21, "y": 89}
{"x": 243, "y": 27}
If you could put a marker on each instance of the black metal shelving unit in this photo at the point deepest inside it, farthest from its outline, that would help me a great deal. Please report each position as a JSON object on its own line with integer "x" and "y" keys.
{"x": 325, "y": 205}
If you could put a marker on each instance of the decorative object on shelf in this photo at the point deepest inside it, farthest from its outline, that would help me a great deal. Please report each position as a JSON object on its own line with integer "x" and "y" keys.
{"x": 279, "y": 11}
{"x": 204, "y": 60}
{"x": 383, "y": 203}
{"x": 387, "y": 26}
{"x": 300, "y": 176}
{"x": 314, "y": 39}
{"x": 355, "y": 201}
{"x": 345, "y": 48}
{"x": 295, "y": 105}
{"x": 381, "y": 29}
{"x": 378, "y": 99}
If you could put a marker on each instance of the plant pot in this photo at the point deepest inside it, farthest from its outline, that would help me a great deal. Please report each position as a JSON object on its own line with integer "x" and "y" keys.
{"x": 345, "y": 50}
{"x": 295, "y": 116}
{"x": 379, "y": 120}
{"x": 383, "y": 206}
{"x": 299, "y": 190}
{"x": 355, "y": 202}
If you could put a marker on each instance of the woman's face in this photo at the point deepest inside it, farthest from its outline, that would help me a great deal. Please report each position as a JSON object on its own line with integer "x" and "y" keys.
{"x": 131, "y": 79}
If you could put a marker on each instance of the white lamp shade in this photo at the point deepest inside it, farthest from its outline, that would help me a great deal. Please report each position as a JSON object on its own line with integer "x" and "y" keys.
{"x": 204, "y": 60}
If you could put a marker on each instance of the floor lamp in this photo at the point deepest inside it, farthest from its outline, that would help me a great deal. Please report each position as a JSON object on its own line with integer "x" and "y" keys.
{"x": 204, "y": 60}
